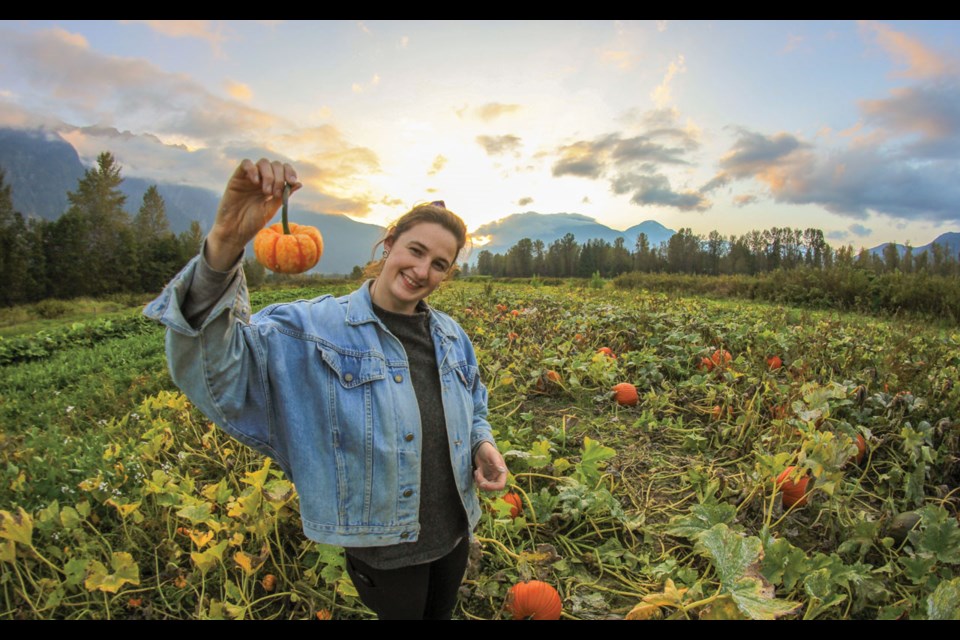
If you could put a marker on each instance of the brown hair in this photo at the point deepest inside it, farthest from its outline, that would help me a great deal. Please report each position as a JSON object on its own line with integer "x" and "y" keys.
{"x": 435, "y": 213}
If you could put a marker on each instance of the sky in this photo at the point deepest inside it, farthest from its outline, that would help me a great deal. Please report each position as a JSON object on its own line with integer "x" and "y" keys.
{"x": 849, "y": 127}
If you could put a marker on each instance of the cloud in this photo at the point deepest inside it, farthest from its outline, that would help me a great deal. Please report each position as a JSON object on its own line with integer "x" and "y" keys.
{"x": 837, "y": 235}
{"x": 793, "y": 42}
{"x": 239, "y": 90}
{"x": 522, "y": 202}
{"x": 438, "y": 164}
{"x": 661, "y": 93}
{"x": 585, "y": 200}
{"x": 499, "y": 145}
{"x": 632, "y": 164}
{"x": 656, "y": 190}
{"x": 859, "y": 230}
{"x": 205, "y": 30}
{"x": 126, "y": 92}
{"x": 620, "y": 59}
{"x": 930, "y": 110}
{"x": 489, "y": 111}
{"x": 920, "y": 60}
{"x": 744, "y": 200}
{"x": 851, "y": 182}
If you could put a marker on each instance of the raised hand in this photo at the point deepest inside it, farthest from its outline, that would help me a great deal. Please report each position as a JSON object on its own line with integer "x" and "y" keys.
{"x": 252, "y": 197}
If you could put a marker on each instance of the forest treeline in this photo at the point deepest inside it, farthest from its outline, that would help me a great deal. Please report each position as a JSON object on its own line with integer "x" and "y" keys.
{"x": 95, "y": 248}
{"x": 782, "y": 265}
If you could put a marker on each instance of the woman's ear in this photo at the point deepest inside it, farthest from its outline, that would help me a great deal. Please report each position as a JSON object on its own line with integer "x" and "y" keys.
{"x": 388, "y": 243}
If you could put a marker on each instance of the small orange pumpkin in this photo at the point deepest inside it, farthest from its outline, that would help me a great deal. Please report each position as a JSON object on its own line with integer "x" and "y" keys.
{"x": 516, "y": 503}
{"x": 286, "y": 247}
{"x": 861, "y": 448}
{"x": 607, "y": 351}
{"x": 705, "y": 364}
{"x": 553, "y": 376}
{"x": 794, "y": 493}
{"x": 534, "y": 600}
{"x": 774, "y": 363}
{"x": 625, "y": 394}
{"x": 269, "y": 582}
{"x": 721, "y": 357}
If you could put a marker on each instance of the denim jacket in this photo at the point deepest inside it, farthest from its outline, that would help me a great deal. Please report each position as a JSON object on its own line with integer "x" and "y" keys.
{"x": 324, "y": 389}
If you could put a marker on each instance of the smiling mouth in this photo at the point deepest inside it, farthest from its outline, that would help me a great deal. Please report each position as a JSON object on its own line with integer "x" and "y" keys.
{"x": 413, "y": 284}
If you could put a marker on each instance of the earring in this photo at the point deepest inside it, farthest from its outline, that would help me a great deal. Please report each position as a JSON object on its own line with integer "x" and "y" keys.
{"x": 385, "y": 253}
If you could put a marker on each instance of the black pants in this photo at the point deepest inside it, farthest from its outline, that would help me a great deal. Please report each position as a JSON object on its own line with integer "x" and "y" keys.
{"x": 419, "y": 592}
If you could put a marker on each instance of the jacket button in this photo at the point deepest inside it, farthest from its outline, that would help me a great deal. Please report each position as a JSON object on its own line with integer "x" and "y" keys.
{"x": 408, "y": 437}
{"x": 408, "y": 493}
{"x": 398, "y": 378}
{"x": 405, "y": 535}
{"x": 348, "y": 377}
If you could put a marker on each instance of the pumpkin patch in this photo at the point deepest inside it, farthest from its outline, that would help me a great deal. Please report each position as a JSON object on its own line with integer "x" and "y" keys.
{"x": 534, "y": 600}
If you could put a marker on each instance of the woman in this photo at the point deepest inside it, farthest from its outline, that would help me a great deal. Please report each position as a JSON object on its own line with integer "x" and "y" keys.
{"x": 371, "y": 403}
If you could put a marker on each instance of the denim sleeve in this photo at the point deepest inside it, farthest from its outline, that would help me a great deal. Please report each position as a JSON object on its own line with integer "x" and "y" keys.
{"x": 218, "y": 362}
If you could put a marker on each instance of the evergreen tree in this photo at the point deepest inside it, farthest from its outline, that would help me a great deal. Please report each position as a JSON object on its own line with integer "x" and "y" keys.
{"x": 157, "y": 248}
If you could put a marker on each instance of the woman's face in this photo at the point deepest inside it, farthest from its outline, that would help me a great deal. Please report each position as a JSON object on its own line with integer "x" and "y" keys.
{"x": 417, "y": 262}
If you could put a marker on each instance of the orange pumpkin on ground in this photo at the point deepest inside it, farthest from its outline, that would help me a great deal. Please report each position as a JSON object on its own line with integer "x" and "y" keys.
{"x": 774, "y": 363}
{"x": 553, "y": 376}
{"x": 794, "y": 493}
{"x": 607, "y": 351}
{"x": 721, "y": 357}
{"x": 861, "y": 448}
{"x": 705, "y": 364}
{"x": 516, "y": 503}
{"x": 534, "y": 600}
{"x": 625, "y": 394}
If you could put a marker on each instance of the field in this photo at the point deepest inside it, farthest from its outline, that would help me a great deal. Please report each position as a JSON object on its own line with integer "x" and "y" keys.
{"x": 120, "y": 500}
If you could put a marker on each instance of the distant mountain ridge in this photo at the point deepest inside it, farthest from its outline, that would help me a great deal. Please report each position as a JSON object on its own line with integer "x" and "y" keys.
{"x": 950, "y": 241}
{"x": 549, "y": 227}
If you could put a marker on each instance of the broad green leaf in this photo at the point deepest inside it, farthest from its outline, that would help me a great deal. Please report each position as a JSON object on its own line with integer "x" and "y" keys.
{"x": 70, "y": 517}
{"x": 730, "y": 552}
{"x": 893, "y": 612}
{"x": 219, "y": 493}
{"x": 197, "y": 514}
{"x": 783, "y": 563}
{"x": 75, "y": 570}
{"x": 125, "y": 571}
{"x": 819, "y": 585}
{"x": 588, "y": 469}
{"x": 208, "y": 559}
{"x": 701, "y": 518}
{"x": 17, "y": 527}
{"x": 248, "y": 504}
{"x": 940, "y": 535}
{"x": 758, "y": 603}
{"x": 234, "y": 611}
{"x": 540, "y": 455}
{"x": 944, "y": 602}
{"x": 124, "y": 508}
{"x": 918, "y": 568}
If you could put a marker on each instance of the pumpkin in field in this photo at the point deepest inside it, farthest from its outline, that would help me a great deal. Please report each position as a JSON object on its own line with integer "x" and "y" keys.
{"x": 516, "y": 503}
{"x": 534, "y": 600}
{"x": 774, "y": 363}
{"x": 625, "y": 394}
{"x": 286, "y": 247}
{"x": 794, "y": 493}
{"x": 607, "y": 351}
{"x": 269, "y": 582}
{"x": 553, "y": 376}
{"x": 705, "y": 364}
{"x": 721, "y": 358}
{"x": 861, "y": 448}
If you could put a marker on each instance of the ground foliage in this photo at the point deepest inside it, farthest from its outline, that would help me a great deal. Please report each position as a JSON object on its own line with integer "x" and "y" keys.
{"x": 118, "y": 499}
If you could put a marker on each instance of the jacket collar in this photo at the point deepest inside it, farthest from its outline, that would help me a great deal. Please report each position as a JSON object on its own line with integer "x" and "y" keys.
{"x": 360, "y": 311}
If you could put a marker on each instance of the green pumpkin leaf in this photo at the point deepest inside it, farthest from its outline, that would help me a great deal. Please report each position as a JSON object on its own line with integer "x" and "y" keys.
{"x": 944, "y": 602}
{"x": 701, "y": 518}
{"x": 197, "y": 514}
{"x": 940, "y": 535}
{"x": 125, "y": 571}
{"x": 758, "y": 602}
{"x": 588, "y": 469}
{"x": 208, "y": 559}
{"x": 918, "y": 568}
{"x": 783, "y": 563}
{"x": 278, "y": 491}
{"x": 730, "y": 552}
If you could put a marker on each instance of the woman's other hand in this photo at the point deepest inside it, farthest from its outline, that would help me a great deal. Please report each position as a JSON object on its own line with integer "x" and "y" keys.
{"x": 253, "y": 195}
{"x": 491, "y": 470}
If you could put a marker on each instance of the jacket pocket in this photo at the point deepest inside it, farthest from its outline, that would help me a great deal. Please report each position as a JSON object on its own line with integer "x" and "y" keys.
{"x": 352, "y": 369}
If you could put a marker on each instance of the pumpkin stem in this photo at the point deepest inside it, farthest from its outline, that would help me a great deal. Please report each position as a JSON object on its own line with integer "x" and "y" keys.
{"x": 283, "y": 215}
